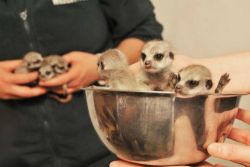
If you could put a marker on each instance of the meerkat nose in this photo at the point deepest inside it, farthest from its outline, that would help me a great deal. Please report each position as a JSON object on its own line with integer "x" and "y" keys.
{"x": 178, "y": 88}
{"x": 147, "y": 63}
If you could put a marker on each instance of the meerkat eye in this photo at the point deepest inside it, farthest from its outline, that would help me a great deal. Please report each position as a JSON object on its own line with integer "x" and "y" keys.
{"x": 48, "y": 72}
{"x": 143, "y": 56}
{"x": 192, "y": 83}
{"x": 178, "y": 78}
{"x": 37, "y": 61}
{"x": 102, "y": 65}
{"x": 61, "y": 67}
{"x": 171, "y": 55}
{"x": 158, "y": 56}
{"x": 54, "y": 66}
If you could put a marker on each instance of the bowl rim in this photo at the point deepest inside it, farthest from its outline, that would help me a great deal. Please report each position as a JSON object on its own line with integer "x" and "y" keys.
{"x": 102, "y": 88}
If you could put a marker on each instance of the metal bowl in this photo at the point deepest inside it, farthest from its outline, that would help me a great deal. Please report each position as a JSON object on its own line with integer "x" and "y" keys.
{"x": 158, "y": 128}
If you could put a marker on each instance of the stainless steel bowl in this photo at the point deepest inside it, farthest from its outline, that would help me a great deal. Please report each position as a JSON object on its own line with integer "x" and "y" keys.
{"x": 158, "y": 128}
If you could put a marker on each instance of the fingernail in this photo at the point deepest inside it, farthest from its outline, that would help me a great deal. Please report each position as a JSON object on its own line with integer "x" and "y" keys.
{"x": 214, "y": 148}
{"x": 114, "y": 164}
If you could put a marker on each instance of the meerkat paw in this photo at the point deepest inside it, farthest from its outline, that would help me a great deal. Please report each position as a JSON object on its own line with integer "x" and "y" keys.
{"x": 173, "y": 79}
{"x": 224, "y": 80}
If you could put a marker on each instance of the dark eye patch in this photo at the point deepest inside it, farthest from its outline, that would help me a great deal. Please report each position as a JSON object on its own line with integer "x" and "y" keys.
{"x": 192, "y": 83}
{"x": 54, "y": 66}
{"x": 48, "y": 72}
{"x": 101, "y": 65}
{"x": 61, "y": 67}
{"x": 158, "y": 56}
{"x": 171, "y": 55}
{"x": 178, "y": 78}
{"x": 143, "y": 56}
{"x": 37, "y": 61}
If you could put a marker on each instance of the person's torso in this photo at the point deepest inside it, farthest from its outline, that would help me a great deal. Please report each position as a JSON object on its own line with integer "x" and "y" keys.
{"x": 41, "y": 26}
{"x": 40, "y": 131}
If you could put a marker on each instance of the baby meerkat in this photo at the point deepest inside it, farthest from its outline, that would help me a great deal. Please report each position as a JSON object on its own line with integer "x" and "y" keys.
{"x": 32, "y": 61}
{"x": 197, "y": 80}
{"x": 113, "y": 68}
{"x": 156, "y": 60}
{"x": 51, "y": 67}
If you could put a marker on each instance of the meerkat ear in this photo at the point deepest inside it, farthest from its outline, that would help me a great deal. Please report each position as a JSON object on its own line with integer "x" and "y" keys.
{"x": 171, "y": 55}
{"x": 209, "y": 84}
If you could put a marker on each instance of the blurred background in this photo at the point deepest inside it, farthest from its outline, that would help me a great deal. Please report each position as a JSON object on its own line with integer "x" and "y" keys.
{"x": 207, "y": 28}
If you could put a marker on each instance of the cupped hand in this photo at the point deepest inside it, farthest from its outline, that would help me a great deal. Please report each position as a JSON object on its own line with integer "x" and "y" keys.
{"x": 82, "y": 72}
{"x": 12, "y": 85}
{"x": 120, "y": 163}
{"x": 232, "y": 152}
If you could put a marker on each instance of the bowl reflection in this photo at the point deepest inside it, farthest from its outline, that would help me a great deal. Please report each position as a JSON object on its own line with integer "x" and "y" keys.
{"x": 158, "y": 128}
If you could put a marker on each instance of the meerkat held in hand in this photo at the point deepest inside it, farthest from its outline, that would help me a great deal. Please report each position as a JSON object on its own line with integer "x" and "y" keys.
{"x": 156, "y": 60}
{"x": 32, "y": 61}
{"x": 113, "y": 69}
{"x": 48, "y": 68}
{"x": 197, "y": 80}
{"x": 51, "y": 67}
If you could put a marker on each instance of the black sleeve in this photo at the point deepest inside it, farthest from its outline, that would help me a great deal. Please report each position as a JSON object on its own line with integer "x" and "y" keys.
{"x": 131, "y": 18}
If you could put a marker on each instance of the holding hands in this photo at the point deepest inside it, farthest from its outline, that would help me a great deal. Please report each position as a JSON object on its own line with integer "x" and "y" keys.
{"x": 83, "y": 71}
{"x": 232, "y": 152}
{"x": 12, "y": 85}
{"x": 236, "y": 153}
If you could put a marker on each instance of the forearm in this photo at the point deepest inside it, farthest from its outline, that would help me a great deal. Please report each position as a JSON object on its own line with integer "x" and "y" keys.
{"x": 131, "y": 47}
{"x": 236, "y": 65}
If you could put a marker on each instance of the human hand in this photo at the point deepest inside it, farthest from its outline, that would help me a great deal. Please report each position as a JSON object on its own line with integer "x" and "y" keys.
{"x": 12, "y": 85}
{"x": 83, "y": 71}
{"x": 232, "y": 152}
{"x": 120, "y": 163}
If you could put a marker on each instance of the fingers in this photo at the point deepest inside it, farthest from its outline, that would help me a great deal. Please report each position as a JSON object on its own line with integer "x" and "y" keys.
{"x": 59, "y": 80}
{"x": 21, "y": 78}
{"x": 126, "y": 164}
{"x": 123, "y": 164}
{"x": 244, "y": 115}
{"x": 24, "y": 91}
{"x": 236, "y": 153}
{"x": 68, "y": 91}
{"x": 205, "y": 164}
{"x": 240, "y": 135}
{"x": 10, "y": 65}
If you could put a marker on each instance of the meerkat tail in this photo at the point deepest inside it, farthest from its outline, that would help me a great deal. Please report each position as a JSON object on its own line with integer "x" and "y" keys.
{"x": 224, "y": 80}
{"x": 65, "y": 87}
{"x": 64, "y": 98}
{"x": 61, "y": 98}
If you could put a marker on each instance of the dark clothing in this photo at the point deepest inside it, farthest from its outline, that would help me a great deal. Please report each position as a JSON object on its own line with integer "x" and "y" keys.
{"x": 40, "y": 132}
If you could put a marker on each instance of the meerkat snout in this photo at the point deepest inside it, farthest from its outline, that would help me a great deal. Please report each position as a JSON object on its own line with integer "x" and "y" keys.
{"x": 147, "y": 64}
{"x": 46, "y": 72}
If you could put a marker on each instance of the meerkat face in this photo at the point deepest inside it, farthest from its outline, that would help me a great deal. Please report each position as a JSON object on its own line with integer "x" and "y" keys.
{"x": 194, "y": 80}
{"x": 156, "y": 56}
{"x": 58, "y": 64}
{"x": 110, "y": 60}
{"x": 33, "y": 60}
{"x": 46, "y": 72}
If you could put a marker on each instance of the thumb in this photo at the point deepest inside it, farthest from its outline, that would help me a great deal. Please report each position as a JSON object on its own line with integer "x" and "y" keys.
{"x": 10, "y": 65}
{"x": 232, "y": 152}
{"x": 123, "y": 164}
